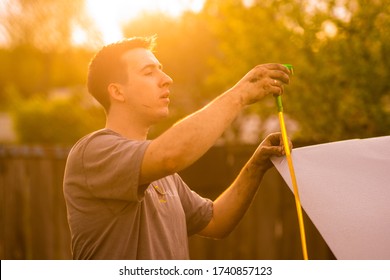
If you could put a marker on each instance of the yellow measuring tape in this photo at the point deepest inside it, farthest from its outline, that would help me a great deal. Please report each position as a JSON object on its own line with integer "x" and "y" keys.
{"x": 292, "y": 172}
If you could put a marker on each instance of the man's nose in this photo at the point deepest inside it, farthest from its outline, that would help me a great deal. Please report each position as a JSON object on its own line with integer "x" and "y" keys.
{"x": 166, "y": 80}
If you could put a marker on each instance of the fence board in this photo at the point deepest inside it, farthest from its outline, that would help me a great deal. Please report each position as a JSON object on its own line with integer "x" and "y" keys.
{"x": 34, "y": 222}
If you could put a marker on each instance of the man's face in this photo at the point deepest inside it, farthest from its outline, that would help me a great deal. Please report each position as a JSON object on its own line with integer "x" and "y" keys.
{"x": 147, "y": 88}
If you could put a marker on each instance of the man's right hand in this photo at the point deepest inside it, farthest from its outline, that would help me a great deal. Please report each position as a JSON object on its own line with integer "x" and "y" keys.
{"x": 261, "y": 81}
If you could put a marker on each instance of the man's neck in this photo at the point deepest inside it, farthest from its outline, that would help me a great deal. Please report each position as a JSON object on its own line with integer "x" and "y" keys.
{"x": 127, "y": 127}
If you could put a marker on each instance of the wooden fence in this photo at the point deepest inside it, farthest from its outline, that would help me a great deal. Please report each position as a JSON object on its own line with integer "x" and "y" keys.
{"x": 33, "y": 213}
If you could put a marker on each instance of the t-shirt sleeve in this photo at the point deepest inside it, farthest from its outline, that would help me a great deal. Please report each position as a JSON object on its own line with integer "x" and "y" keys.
{"x": 198, "y": 210}
{"x": 112, "y": 165}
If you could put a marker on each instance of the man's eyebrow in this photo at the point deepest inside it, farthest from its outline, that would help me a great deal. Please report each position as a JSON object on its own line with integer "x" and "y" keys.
{"x": 151, "y": 66}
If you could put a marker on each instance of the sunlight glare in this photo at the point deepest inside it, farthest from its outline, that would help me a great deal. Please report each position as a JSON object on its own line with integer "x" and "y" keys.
{"x": 109, "y": 15}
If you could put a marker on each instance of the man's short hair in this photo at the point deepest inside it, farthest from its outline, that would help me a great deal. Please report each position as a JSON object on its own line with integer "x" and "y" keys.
{"x": 107, "y": 66}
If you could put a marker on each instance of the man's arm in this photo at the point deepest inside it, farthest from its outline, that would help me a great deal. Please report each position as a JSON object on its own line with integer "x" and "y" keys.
{"x": 231, "y": 205}
{"x": 190, "y": 138}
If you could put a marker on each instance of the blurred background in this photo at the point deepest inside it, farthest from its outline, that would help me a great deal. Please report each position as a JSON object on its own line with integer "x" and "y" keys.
{"x": 340, "y": 50}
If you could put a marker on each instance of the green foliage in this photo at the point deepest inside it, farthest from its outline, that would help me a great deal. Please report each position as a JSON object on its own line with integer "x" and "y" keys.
{"x": 247, "y": 36}
{"x": 340, "y": 53}
{"x": 30, "y": 70}
{"x": 339, "y": 50}
{"x": 341, "y": 87}
{"x": 55, "y": 122}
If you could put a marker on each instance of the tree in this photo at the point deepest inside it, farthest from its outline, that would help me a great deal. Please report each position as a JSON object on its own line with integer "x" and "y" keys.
{"x": 248, "y": 35}
{"x": 39, "y": 57}
{"x": 59, "y": 121}
{"x": 337, "y": 99}
{"x": 46, "y": 25}
{"x": 39, "y": 54}
{"x": 338, "y": 48}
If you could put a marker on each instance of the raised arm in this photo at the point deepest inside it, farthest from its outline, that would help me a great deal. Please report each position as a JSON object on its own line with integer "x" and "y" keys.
{"x": 190, "y": 138}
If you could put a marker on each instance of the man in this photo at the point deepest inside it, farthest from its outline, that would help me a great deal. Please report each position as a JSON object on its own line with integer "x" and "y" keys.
{"x": 124, "y": 197}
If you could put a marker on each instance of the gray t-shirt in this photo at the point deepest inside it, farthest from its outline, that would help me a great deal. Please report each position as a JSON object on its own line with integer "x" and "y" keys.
{"x": 111, "y": 217}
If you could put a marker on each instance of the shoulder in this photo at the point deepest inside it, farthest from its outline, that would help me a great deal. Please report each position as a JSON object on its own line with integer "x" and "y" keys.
{"x": 106, "y": 139}
{"x": 99, "y": 136}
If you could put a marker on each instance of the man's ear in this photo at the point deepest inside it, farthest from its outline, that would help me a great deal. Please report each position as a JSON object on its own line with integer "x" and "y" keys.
{"x": 115, "y": 92}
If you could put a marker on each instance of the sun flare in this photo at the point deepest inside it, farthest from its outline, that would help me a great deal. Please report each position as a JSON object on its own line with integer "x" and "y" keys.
{"x": 109, "y": 15}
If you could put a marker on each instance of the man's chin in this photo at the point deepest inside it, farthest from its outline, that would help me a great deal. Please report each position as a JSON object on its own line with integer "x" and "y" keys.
{"x": 161, "y": 117}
